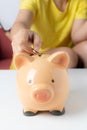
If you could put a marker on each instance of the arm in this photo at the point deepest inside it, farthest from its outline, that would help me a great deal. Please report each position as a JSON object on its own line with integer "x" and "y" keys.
{"x": 21, "y": 36}
{"x": 23, "y": 21}
{"x": 79, "y": 31}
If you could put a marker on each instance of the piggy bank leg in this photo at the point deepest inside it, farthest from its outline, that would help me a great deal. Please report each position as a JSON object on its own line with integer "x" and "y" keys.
{"x": 30, "y": 113}
{"x": 58, "y": 113}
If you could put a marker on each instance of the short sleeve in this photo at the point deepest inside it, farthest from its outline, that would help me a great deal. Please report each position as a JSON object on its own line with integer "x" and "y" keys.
{"x": 29, "y": 5}
{"x": 82, "y": 10}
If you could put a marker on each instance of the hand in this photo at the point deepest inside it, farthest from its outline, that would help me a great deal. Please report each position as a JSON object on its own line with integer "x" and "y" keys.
{"x": 23, "y": 41}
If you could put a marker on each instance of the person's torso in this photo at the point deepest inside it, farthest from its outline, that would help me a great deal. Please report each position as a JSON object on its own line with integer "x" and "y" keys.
{"x": 53, "y": 25}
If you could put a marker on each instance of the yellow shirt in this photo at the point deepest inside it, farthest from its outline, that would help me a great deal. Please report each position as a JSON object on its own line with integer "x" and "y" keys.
{"x": 51, "y": 24}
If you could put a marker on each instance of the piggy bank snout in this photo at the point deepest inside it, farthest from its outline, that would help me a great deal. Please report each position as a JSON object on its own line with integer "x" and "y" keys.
{"x": 42, "y": 95}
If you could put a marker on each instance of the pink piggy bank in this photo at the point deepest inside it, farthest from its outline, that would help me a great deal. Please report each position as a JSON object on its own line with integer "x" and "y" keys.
{"x": 42, "y": 82}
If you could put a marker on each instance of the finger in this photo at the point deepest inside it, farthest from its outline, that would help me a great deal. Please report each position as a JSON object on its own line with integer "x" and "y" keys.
{"x": 28, "y": 50}
{"x": 37, "y": 42}
{"x": 23, "y": 48}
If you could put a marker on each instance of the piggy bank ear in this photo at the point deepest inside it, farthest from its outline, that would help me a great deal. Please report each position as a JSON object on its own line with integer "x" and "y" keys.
{"x": 60, "y": 58}
{"x": 21, "y": 59}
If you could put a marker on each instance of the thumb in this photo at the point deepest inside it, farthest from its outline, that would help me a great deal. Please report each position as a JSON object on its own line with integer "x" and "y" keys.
{"x": 37, "y": 42}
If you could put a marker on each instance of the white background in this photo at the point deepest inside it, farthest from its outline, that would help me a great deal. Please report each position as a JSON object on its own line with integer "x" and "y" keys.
{"x": 8, "y": 12}
{"x": 11, "y": 111}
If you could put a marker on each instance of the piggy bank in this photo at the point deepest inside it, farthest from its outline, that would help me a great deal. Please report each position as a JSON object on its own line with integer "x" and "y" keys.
{"x": 42, "y": 82}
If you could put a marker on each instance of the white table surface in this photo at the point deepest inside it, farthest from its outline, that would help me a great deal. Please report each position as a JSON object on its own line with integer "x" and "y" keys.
{"x": 75, "y": 118}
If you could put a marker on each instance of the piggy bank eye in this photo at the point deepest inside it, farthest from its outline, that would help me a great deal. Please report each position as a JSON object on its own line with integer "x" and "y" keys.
{"x": 52, "y": 81}
{"x": 30, "y": 81}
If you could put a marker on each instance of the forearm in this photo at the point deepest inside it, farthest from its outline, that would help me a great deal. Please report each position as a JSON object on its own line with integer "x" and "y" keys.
{"x": 23, "y": 21}
{"x": 80, "y": 33}
{"x": 17, "y": 27}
